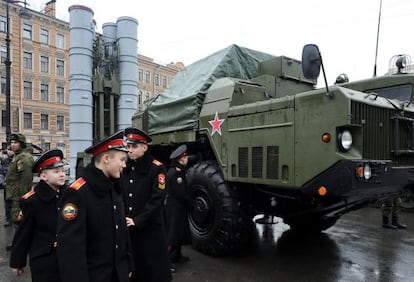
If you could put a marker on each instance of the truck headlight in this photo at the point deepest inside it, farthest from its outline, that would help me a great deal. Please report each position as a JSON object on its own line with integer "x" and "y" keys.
{"x": 364, "y": 171}
{"x": 367, "y": 172}
{"x": 345, "y": 140}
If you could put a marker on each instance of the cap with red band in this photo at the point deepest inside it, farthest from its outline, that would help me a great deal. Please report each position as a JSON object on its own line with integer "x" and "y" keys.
{"x": 113, "y": 142}
{"x": 134, "y": 135}
{"x": 48, "y": 160}
{"x": 179, "y": 152}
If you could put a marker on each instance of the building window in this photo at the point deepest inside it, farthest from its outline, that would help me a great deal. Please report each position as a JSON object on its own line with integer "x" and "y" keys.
{"x": 164, "y": 81}
{"x": 27, "y": 60}
{"x": 60, "y": 123}
{"x": 140, "y": 75}
{"x": 60, "y": 95}
{"x": 44, "y": 92}
{"x": 139, "y": 97}
{"x": 44, "y": 64}
{"x": 27, "y": 120}
{"x": 3, "y": 24}
{"x": 44, "y": 36}
{"x": 147, "y": 76}
{"x": 157, "y": 79}
{"x": 60, "y": 67}
{"x": 3, "y": 85}
{"x": 28, "y": 90}
{"x": 60, "y": 41}
{"x": 44, "y": 122}
{"x": 3, "y": 54}
{"x": 27, "y": 31}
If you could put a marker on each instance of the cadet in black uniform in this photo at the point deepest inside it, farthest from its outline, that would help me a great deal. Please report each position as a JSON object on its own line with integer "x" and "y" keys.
{"x": 178, "y": 205}
{"x": 36, "y": 234}
{"x": 93, "y": 240}
{"x": 144, "y": 188}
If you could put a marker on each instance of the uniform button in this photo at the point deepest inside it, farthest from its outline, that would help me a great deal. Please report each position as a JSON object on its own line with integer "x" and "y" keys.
{"x": 114, "y": 207}
{"x": 133, "y": 168}
{"x": 54, "y": 244}
{"x": 116, "y": 226}
{"x": 58, "y": 208}
{"x": 116, "y": 246}
{"x": 131, "y": 181}
{"x": 130, "y": 208}
{"x": 130, "y": 195}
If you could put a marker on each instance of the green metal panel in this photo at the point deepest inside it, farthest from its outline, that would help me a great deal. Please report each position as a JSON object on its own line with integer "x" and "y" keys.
{"x": 174, "y": 137}
{"x": 316, "y": 114}
{"x": 261, "y": 130}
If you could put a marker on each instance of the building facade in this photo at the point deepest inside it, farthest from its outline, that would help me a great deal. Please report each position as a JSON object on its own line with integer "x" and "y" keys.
{"x": 39, "y": 92}
{"x": 153, "y": 78}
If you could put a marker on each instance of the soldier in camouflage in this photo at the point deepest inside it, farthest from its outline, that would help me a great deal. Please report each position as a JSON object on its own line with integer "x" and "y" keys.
{"x": 392, "y": 207}
{"x": 19, "y": 176}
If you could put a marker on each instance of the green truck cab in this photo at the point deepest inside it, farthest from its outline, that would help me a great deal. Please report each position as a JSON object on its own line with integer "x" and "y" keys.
{"x": 265, "y": 140}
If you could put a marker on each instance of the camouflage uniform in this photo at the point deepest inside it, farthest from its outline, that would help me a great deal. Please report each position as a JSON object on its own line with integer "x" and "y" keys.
{"x": 392, "y": 207}
{"x": 19, "y": 176}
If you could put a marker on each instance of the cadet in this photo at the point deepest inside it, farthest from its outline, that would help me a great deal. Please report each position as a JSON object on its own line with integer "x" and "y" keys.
{"x": 19, "y": 176}
{"x": 36, "y": 234}
{"x": 178, "y": 205}
{"x": 392, "y": 207}
{"x": 93, "y": 240}
{"x": 144, "y": 189}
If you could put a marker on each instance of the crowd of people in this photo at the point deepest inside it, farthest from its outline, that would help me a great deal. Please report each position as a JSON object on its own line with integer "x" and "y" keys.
{"x": 123, "y": 219}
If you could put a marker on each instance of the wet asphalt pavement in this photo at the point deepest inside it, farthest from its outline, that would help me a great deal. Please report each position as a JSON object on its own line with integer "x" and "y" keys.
{"x": 356, "y": 248}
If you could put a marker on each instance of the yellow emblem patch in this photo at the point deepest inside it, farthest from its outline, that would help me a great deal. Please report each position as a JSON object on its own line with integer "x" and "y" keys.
{"x": 69, "y": 211}
{"x": 19, "y": 165}
{"x": 161, "y": 181}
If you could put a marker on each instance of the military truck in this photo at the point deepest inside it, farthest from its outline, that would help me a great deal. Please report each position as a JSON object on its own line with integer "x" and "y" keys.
{"x": 265, "y": 140}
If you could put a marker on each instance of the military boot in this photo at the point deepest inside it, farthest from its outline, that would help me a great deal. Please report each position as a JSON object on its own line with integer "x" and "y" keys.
{"x": 397, "y": 224}
{"x": 386, "y": 223}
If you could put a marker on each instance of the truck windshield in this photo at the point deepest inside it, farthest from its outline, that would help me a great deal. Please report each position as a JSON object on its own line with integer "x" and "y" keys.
{"x": 400, "y": 92}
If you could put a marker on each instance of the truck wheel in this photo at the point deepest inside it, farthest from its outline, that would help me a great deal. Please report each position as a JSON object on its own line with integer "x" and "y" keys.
{"x": 311, "y": 224}
{"x": 219, "y": 222}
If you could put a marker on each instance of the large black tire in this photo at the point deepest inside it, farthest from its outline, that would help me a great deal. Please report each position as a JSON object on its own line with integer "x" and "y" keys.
{"x": 219, "y": 223}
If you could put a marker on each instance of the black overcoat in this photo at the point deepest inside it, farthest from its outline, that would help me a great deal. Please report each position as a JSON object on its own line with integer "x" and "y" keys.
{"x": 178, "y": 205}
{"x": 36, "y": 234}
{"x": 144, "y": 194}
{"x": 93, "y": 240}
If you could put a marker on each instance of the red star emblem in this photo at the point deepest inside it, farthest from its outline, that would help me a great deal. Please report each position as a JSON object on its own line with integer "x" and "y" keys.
{"x": 216, "y": 124}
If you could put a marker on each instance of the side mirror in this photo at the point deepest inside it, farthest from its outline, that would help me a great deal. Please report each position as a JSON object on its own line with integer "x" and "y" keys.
{"x": 311, "y": 61}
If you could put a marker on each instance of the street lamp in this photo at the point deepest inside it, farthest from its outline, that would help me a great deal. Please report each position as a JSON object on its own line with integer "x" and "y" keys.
{"x": 24, "y": 14}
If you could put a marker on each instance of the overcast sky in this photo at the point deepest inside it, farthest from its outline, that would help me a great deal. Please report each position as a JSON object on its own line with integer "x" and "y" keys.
{"x": 189, "y": 30}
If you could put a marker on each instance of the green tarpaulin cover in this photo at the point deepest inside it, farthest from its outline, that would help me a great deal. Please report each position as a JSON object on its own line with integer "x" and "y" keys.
{"x": 179, "y": 106}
